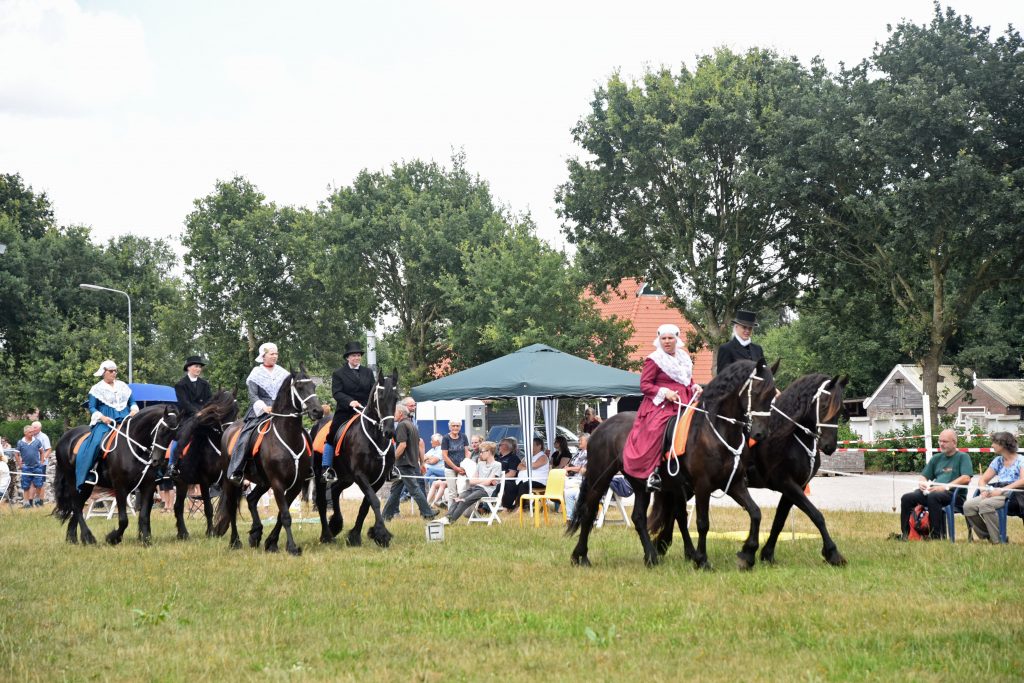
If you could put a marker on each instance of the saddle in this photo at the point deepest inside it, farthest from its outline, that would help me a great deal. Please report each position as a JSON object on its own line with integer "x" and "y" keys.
{"x": 261, "y": 431}
{"x": 680, "y": 433}
{"x": 104, "y": 446}
{"x": 321, "y": 436}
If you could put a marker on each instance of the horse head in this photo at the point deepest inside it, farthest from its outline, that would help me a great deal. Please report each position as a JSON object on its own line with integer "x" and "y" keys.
{"x": 828, "y": 402}
{"x": 760, "y": 389}
{"x": 385, "y": 398}
{"x": 304, "y": 398}
{"x": 164, "y": 432}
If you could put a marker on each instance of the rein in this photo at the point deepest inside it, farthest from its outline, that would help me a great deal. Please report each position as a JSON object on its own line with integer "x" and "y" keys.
{"x": 299, "y": 404}
{"x": 748, "y": 387}
{"x": 132, "y": 443}
{"x": 379, "y": 423}
{"x": 812, "y": 452}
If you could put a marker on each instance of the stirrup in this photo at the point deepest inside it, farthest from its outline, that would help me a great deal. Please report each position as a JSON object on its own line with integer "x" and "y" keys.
{"x": 95, "y": 478}
{"x": 395, "y": 473}
{"x": 654, "y": 481}
{"x": 236, "y": 478}
{"x": 330, "y": 477}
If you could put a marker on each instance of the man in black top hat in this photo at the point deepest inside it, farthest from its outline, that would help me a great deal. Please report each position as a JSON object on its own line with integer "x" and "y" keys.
{"x": 739, "y": 347}
{"x": 351, "y": 385}
{"x": 193, "y": 392}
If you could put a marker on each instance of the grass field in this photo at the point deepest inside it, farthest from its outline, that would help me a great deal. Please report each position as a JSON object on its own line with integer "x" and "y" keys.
{"x": 503, "y": 603}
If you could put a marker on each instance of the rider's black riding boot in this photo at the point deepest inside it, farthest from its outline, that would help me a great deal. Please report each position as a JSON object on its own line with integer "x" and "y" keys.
{"x": 654, "y": 481}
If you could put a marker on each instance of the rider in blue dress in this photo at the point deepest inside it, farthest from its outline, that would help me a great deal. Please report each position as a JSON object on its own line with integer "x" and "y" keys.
{"x": 110, "y": 401}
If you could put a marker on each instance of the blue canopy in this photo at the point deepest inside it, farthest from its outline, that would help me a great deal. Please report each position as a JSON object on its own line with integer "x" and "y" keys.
{"x": 150, "y": 394}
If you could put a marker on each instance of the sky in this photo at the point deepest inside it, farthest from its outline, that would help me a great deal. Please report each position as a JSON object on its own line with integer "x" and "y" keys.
{"x": 126, "y": 111}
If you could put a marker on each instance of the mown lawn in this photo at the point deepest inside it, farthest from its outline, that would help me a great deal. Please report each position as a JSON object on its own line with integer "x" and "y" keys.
{"x": 503, "y": 603}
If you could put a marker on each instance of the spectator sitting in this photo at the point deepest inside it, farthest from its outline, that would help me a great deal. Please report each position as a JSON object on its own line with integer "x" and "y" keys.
{"x": 488, "y": 471}
{"x": 936, "y": 486}
{"x": 574, "y": 472}
{"x": 524, "y": 483}
{"x": 561, "y": 456}
{"x": 508, "y": 456}
{"x": 435, "y": 464}
{"x": 1005, "y": 472}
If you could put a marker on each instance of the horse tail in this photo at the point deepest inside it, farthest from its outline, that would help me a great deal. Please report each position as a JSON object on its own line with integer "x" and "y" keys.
{"x": 577, "y": 512}
{"x": 65, "y": 493}
{"x": 660, "y": 513}
{"x": 222, "y": 517}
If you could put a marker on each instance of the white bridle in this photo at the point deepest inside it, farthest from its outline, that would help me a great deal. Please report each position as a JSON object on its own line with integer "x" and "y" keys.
{"x": 815, "y": 435}
{"x": 132, "y": 443}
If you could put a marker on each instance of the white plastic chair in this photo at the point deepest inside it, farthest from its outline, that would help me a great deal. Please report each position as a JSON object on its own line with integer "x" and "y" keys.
{"x": 493, "y": 503}
{"x": 610, "y": 498}
{"x": 108, "y": 506}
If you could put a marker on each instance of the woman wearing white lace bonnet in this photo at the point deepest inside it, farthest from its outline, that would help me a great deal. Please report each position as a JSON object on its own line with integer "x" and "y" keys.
{"x": 263, "y": 383}
{"x": 110, "y": 401}
{"x": 666, "y": 380}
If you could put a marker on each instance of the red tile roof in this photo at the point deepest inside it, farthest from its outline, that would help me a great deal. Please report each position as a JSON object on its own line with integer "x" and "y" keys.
{"x": 647, "y": 313}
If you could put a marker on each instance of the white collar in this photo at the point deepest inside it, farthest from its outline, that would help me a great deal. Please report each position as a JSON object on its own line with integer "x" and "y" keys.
{"x": 354, "y": 368}
{"x": 192, "y": 379}
{"x": 743, "y": 342}
{"x": 679, "y": 367}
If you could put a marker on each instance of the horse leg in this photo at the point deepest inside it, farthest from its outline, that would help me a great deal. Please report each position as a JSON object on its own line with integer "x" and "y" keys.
{"x": 639, "y": 516}
{"x": 778, "y": 523}
{"x": 337, "y": 522}
{"x": 355, "y": 533}
{"x": 145, "y": 498}
{"x": 747, "y": 556}
{"x": 700, "y": 555}
{"x": 378, "y": 533}
{"x": 180, "y": 495}
{"x": 664, "y": 540}
{"x": 285, "y": 518}
{"x": 320, "y": 500}
{"x": 591, "y": 495}
{"x": 828, "y": 549}
{"x": 204, "y": 490}
{"x": 688, "y": 549}
{"x": 256, "y": 530}
{"x": 116, "y": 535}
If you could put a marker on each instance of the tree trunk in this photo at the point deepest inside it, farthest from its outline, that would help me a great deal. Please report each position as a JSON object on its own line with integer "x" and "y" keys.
{"x": 930, "y": 381}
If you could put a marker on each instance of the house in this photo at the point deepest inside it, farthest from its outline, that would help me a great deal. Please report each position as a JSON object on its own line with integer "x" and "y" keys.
{"x": 989, "y": 399}
{"x": 900, "y": 394}
{"x": 648, "y": 309}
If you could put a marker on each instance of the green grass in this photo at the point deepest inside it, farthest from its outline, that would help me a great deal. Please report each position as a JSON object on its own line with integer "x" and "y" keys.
{"x": 503, "y": 603}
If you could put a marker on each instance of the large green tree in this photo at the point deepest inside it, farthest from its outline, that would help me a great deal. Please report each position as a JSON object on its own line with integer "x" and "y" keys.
{"x": 690, "y": 182}
{"x": 924, "y": 177}
{"x": 518, "y": 291}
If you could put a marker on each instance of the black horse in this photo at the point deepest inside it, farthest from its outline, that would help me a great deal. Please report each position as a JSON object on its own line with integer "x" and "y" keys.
{"x": 803, "y": 425}
{"x": 200, "y": 459}
{"x": 364, "y": 458}
{"x": 130, "y": 465}
{"x": 281, "y": 464}
{"x": 733, "y": 408}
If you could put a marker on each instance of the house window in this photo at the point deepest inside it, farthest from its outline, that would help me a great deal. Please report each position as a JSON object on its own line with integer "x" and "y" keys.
{"x": 649, "y": 290}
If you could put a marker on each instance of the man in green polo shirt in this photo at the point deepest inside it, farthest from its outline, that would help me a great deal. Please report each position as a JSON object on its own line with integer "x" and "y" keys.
{"x": 949, "y": 467}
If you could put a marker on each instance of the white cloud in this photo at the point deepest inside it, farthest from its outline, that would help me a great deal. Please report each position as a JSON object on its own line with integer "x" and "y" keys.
{"x": 62, "y": 60}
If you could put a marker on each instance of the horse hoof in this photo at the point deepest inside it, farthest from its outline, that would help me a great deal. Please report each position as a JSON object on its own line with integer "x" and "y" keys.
{"x": 744, "y": 564}
{"x": 254, "y": 541}
{"x": 146, "y": 540}
{"x": 835, "y": 559}
{"x": 113, "y": 538}
{"x": 336, "y": 524}
{"x": 296, "y": 551}
{"x": 353, "y": 540}
{"x": 704, "y": 566}
{"x": 651, "y": 561}
{"x": 580, "y": 561}
{"x": 768, "y": 558}
{"x": 235, "y": 544}
{"x": 325, "y": 538}
{"x": 381, "y": 538}
{"x": 183, "y": 535}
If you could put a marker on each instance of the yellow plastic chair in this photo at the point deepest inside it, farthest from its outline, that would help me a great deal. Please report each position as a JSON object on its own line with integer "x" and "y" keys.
{"x": 554, "y": 490}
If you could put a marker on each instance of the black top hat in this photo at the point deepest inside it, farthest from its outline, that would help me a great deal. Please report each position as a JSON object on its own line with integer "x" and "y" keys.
{"x": 194, "y": 360}
{"x": 745, "y": 318}
{"x": 353, "y": 347}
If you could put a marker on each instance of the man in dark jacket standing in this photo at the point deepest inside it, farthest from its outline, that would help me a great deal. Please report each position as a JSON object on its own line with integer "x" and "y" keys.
{"x": 739, "y": 347}
{"x": 351, "y": 385}
{"x": 193, "y": 392}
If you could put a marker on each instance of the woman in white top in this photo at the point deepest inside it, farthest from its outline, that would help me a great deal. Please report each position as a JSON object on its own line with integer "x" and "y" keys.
{"x": 524, "y": 483}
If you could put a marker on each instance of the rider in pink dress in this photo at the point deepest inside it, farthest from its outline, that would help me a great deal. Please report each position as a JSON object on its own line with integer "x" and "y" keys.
{"x": 666, "y": 379}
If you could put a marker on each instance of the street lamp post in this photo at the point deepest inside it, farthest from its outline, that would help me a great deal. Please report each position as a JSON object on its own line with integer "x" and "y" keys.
{"x": 97, "y": 288}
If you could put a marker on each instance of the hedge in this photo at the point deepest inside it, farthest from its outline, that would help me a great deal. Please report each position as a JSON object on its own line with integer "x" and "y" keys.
{"x": 914, "y": 462}
{"x": 12, "y": 430}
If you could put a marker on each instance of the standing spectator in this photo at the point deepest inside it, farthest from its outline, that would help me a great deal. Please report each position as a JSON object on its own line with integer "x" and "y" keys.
{"x": 590, "y": 421}
{"x": 482, "y": 485}
{"x": 1005, "y": 472}
{"x": 409, "y": 461}
{"x": 5, "y": 473}
{"x": 51, "y": 463}
{"x": 936, "y": 486}
{"x": 524, "y": 483}
{"x": 32, "y": 467}
{"x": 454, "y": 449}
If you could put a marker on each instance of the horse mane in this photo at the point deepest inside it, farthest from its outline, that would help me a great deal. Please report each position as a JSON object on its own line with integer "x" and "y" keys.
{"x": 283, "y": 403}
{"x": 221, "y": 408}
{"x": 796, "y": 401}
{"x": 726, "y": 383}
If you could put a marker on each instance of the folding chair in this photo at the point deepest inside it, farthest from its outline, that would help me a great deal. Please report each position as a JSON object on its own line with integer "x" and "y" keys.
{"x": 554, "y": 490}
{"x": 108, "y": 506}
{"x": 1003, "y": 514}
{"x": 610, "y": 497}
{"x": 492, "y": 503}
{"x": 955, "y": 505}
